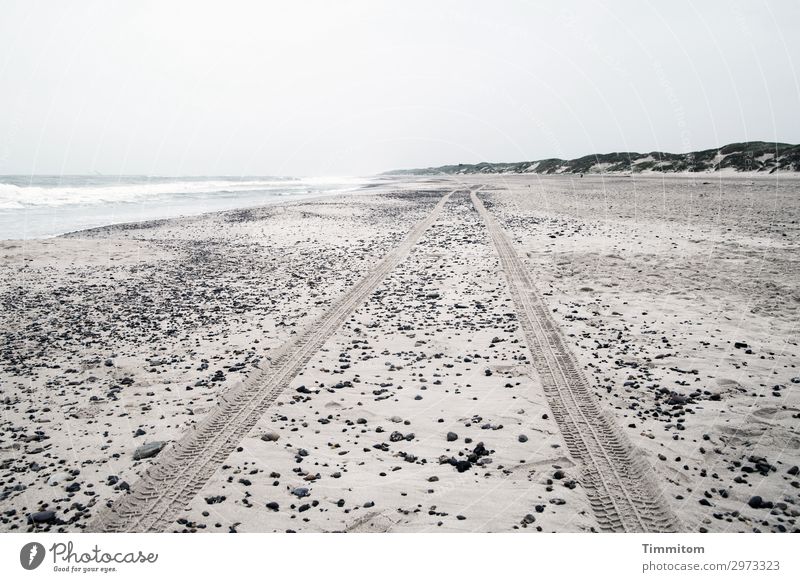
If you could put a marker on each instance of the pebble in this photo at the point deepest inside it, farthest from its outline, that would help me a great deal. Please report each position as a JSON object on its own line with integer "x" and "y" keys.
{"x": 57, "y": 478}
{"x": 42, "y": 517}
{"x": 148, "y": 450}
{"x": 270, "y": 436}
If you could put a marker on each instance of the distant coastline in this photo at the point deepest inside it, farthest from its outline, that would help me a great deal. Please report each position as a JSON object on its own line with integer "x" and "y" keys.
{"x": 751, "y": 156}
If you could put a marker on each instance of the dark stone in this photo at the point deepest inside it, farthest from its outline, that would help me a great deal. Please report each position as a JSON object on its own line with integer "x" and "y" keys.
{"x": 42, "y": 517}
{"x": 462, "y": 466}
{"x": 451, "y": 436}
{"x": 480, "y": 450}
{"x": 676, "y": 398}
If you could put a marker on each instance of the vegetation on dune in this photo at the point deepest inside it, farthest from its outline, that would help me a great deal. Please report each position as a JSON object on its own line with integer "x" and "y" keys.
{"x": 751, "y": 156}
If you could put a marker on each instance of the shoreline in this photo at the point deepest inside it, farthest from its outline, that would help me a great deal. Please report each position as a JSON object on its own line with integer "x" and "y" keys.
{"x": 400, "y": 178}
{"x": 184, "y": 217}
{"x": 51, "y": 219}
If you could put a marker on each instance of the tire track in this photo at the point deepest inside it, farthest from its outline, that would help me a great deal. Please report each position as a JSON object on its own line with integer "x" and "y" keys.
{"x": 182, "y": 469}
{"x": 619, "y": 483}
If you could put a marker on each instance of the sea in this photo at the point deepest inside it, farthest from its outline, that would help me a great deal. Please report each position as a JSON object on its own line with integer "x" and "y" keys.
{"x": 47, "y": 206}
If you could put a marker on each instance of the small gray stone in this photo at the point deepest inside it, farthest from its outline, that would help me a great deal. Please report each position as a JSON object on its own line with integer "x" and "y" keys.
{"x": 57, "y": 478}
{"x": 270, "y": 436}
{"x": 300, "y": 491}
{"x": 148, "y": 450}
{"x": 42, "y": 517}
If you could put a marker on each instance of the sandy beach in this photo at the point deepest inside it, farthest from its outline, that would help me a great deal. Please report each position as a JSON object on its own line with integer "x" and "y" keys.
{"x": 474, "y": 354}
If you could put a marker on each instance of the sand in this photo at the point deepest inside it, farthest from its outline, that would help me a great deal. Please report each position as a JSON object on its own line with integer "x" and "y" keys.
{"x": 677, "y": 298}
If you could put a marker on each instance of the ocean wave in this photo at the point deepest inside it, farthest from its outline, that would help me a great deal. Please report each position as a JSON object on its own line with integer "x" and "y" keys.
{"x": 15, "y": 196}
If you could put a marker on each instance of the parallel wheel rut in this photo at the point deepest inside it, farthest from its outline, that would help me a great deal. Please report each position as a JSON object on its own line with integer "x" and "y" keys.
{"x": 182, "y": 469}
{"x": 619, "y": 483}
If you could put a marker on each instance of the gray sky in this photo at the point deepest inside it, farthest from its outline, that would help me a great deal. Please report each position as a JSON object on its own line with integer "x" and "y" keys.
{"x": 344, "y": 88}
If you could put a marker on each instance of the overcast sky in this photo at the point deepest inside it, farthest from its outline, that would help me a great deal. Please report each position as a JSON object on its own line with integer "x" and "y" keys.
{"x": 349, "y": 88}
